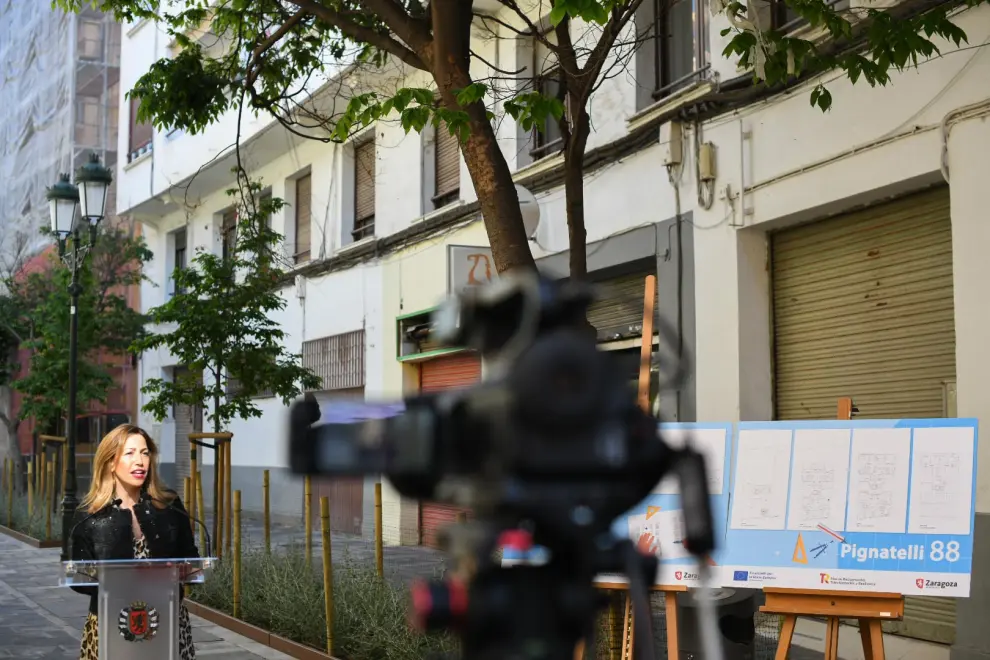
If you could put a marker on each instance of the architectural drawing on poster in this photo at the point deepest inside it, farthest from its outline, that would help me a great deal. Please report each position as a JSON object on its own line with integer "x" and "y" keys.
{"x": 941, "y": 481}
{"x": 819, "y": 475}
{"x": 763, "y": 461}
{"x": 878, "y": 490}
{"x": 710, "y": 443}
{"x": 659, "y": 531}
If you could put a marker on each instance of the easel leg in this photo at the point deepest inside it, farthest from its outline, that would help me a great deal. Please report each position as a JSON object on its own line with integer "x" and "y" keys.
{"x": 864, "y": 636}
{"x": 832, "y": 639}
{"x": 579, "y": 651}
{"x": 670, "y": 605}
{"x": 786, "y": 634}
{"x": 876, "y": 640}
{"x": 627, "y": 631}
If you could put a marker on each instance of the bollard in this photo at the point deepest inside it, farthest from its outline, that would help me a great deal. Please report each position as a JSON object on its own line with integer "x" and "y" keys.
{"x": 266, "y": 489}
{"x": 49, "y": 501}
{"x": 199, "y": 507}
{"x": 308, "y": 513}
{"x": 228, "y": 484}
{"x": 327, "y": 569}
{"x": 379, "y": 545}
{"x": 237, "y": 553}
{"x": 30, "y": 483}
{"x": 219, "y": 493}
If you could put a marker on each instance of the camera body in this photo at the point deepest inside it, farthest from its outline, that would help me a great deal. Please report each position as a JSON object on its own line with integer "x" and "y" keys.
{"x": 552, "y": 443}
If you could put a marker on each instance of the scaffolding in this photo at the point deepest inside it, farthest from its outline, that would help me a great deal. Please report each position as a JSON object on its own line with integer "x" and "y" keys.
{"x": 59, "y": 91}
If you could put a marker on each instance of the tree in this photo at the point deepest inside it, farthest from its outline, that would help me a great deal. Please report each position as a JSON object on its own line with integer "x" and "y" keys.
{"x": 222, "y": 327}
{"x": 272, "y": 47}
{"x": 107, "y": 325}
{"x": 14, "y": 249}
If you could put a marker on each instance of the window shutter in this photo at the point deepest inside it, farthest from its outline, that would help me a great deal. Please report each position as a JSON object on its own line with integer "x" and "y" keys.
{"x": 228, "y": 231}
{"x": 448, "y": 166}
{"x": 304, "y": 218}
{"x": 140, "y": 133}
{"x": 364, "y": 190}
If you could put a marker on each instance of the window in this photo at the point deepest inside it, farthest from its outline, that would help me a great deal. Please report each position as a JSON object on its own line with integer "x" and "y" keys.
{"x": 782, "y": 17}
{"x": 678, "y": 49}
{"x": 179, "y": 254}
{"x": 447, "y": 161}
{"x": 139, "y": 138}
{"x": 364, "y": 190}
{"x": 88, "y": 121}
{"x": 546, "y": 82}
{"x": 228, "y": 233}
{"x": 90, "y": 39}
{"x": 304, "y": 218}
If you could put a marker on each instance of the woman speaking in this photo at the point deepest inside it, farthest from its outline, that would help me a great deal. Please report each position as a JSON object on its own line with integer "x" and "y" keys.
{"x": 132, "y": 515}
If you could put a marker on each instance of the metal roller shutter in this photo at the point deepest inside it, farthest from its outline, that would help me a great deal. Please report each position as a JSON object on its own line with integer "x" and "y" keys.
{"x": 365, "y": 163}
{"x": 444, "y": 373}
{"x": 448, "y": 163}
{"x": 618, "y": 312}
{"x": 863, "y": 308}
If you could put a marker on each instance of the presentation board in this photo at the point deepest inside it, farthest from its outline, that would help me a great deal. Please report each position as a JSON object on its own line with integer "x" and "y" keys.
{"x": 867, "y": 505}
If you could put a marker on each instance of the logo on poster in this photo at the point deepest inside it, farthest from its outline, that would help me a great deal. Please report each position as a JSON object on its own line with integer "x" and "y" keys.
{"x": 740, "y": 576}
{"x": 685, "y": 575}
{"x": 823, "y": 578}
{"x": 922, "y": 583}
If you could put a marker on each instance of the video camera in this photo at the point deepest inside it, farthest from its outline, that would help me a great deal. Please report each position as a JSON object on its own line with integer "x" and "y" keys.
{"x": 551, "y": 448}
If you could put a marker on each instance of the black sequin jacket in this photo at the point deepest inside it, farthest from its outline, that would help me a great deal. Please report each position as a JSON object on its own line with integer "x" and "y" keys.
{"x": 108, "y": 534}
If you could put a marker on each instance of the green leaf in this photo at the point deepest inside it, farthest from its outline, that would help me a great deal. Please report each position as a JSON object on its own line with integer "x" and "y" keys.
{"x": 558, "y": 13}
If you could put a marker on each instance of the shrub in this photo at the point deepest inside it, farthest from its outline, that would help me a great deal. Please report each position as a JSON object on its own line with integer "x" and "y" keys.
{"x": 31, "y": 524}
{"x": 279, "y": 594}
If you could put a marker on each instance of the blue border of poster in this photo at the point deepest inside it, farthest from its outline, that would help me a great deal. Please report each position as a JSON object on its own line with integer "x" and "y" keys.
{"x": 828, "y": 558}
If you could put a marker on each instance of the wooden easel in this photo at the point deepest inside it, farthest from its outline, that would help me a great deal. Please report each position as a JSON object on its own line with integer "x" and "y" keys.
{"x": 868, "y": 607}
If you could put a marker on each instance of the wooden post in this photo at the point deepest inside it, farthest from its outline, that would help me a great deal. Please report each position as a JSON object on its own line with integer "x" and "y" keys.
{"x": 266, "y": 493}
{"x": 37, "y": 474}
{"x": 220, "y": 492}
{"x": 30, "y": 480}
{"x": 191, "y": 491}
{"x": 327, "y": 569}
{"x": 49, "y": 501}
{"x": 201, "y": 509}
{"x": 10, "y": 496}
{"x": 308, "y": 513}
{"x": 65, "y": 464}
{"x": 237, "y": 553}
{"x": 845, "y": 408}
{"x": 43, "y": 475}
{"x": 379, "y": 544}
{"x": 228, "y": 484}
{"x": 3, "y": 477}
{"x": 187, "y": 497}
{"x": 646, "y": 350}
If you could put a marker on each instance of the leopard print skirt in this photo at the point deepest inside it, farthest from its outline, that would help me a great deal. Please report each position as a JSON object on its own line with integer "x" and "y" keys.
{"x": 90, "y": 639}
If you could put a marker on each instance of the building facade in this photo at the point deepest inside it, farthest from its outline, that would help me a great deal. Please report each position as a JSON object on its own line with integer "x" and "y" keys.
{"x": 61, "y": 92}
{"x": 801, "y": 256}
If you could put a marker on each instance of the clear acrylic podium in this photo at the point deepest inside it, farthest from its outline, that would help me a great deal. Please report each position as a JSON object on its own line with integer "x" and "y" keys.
{"x": 138, "y": 602}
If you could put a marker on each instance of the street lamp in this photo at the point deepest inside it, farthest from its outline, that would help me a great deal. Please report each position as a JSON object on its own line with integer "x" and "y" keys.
{"x": 89, "y": 194}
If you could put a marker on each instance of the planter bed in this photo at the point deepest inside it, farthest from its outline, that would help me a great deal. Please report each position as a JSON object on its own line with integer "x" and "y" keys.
{"x": 29, "y": 540}
{"x": 256, "y": 634}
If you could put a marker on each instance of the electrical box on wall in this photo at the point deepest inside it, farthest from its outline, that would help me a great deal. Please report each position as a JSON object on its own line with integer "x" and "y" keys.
{"x": 706, "y": 162}
{"x": 671, "y": 143}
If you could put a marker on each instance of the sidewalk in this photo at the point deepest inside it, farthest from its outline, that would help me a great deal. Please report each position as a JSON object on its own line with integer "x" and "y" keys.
{"x": 39, "y": 620}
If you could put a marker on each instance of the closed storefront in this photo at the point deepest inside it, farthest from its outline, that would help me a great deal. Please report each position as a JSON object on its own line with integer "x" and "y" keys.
{"x": 339, "y": 362}
{"x": 442, "y": 373}
{"x": 863, "y": 308}
{"x": 618, "y": 311}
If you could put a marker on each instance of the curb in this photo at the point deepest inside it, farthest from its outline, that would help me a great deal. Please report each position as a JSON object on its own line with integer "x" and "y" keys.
{"x": 256, "y": 634}
{"x": 29, "y": 540}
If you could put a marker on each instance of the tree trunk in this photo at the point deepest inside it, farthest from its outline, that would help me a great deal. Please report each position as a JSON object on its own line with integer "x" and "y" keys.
{"x": 577, "y": 234}
{"x": 486, "y": 163}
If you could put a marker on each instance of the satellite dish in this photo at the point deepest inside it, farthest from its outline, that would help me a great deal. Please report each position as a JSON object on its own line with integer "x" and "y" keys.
{"x": 530, "y": 211}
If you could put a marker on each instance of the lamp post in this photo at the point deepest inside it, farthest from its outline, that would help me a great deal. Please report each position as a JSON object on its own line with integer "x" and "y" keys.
{"x": 89, "y": 195}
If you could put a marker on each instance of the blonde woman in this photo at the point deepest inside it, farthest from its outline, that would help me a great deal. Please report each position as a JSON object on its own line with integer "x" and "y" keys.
{"x": 132, "y": 515}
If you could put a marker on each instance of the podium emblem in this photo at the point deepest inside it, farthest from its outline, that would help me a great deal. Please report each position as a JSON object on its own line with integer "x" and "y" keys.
{"x": 138, "y": 623}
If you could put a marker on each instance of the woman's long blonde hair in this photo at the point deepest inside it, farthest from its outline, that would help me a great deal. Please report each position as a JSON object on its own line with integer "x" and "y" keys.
{"x": 108, "y": 453}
